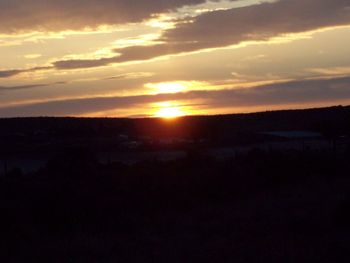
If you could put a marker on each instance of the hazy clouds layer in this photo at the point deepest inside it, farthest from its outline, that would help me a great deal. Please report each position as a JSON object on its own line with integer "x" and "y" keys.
{"x": 210, "y": 30}
{"x": 228, "y": 27}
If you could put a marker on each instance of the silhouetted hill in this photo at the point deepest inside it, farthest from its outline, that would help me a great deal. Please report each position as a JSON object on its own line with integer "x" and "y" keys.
{"x": 320, "y": 119}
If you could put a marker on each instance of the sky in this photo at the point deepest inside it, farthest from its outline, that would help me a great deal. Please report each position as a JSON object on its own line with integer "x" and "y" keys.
{"x": 168, "y": 58}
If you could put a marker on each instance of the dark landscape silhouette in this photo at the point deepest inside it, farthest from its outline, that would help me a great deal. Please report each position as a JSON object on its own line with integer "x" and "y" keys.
{"x": 262, "y": 187}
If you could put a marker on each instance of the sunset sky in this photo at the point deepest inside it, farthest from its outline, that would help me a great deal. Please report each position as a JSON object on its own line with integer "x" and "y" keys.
{"x": 139, "y": 58}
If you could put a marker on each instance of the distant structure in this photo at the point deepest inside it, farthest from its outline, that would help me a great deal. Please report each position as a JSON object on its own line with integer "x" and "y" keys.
{"x": 299, "y": 139}
{"x": 294, "y": 135}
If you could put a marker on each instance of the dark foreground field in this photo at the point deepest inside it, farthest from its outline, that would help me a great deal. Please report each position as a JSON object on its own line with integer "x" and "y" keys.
{"x": 256, "y": 207}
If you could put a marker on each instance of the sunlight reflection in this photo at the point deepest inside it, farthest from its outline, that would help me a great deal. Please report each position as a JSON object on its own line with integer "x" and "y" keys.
{"x": 162, "y": 21}
{"x": 167, "y": 87}
{"x": 177, "y": 86}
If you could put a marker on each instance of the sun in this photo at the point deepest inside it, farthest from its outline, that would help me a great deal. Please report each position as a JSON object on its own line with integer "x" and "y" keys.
{"x": 169, "y": 113}
{"x": 168, "y": 110}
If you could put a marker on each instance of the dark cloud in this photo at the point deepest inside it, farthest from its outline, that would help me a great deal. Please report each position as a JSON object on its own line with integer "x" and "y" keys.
{"x": 14, "y": 72}
{"x": 86, "y": 63}
{"x": 228, "y": 27}
{"x": 53, "y": 15}
{"x": 10, "y": 73}
{"x": 260, "y": 22}
{"x": 130, "y": 75}
{"x": 282, "y": 95}
{"x": 24, "y": 87}
{"x": 135, "y": 53}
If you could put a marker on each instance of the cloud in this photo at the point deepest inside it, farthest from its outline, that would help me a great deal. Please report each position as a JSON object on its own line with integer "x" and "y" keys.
{"x": 130, "y": 75}
{"x": 51, "y": 15}
{"x": 233, "y": 26}
{"x": 280, "y": 95}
